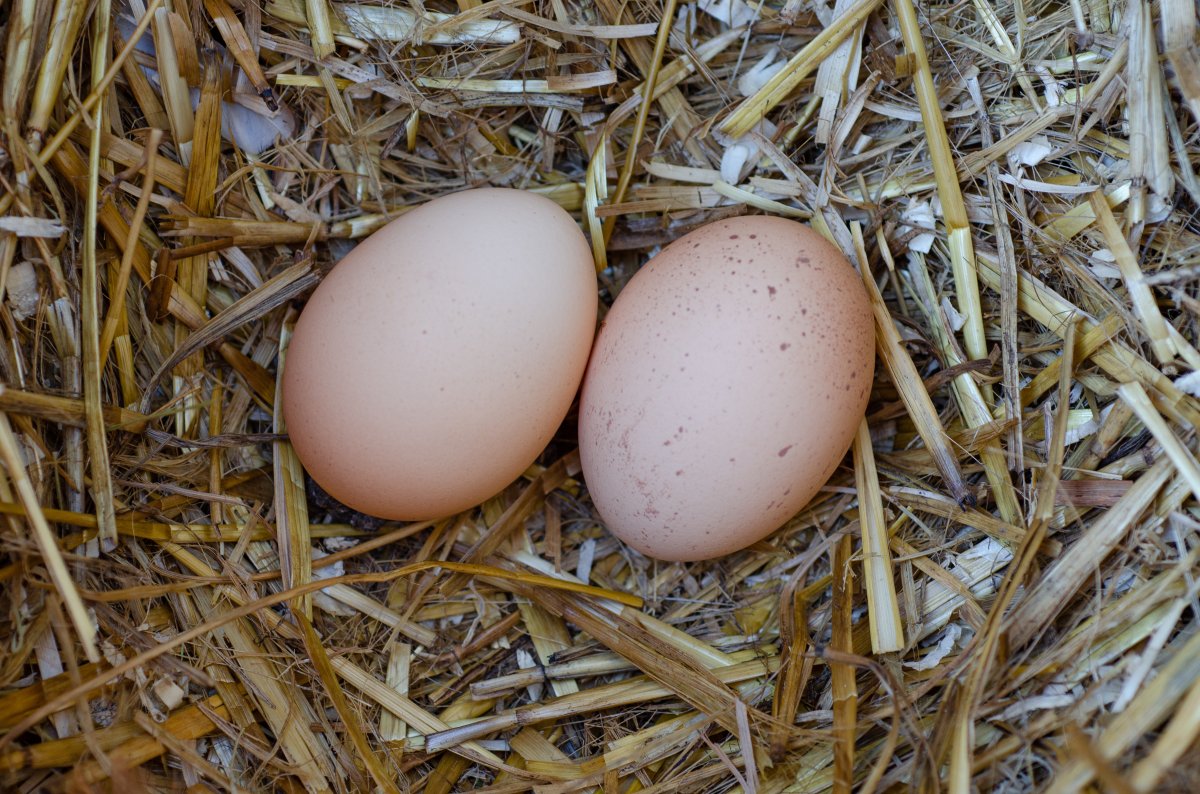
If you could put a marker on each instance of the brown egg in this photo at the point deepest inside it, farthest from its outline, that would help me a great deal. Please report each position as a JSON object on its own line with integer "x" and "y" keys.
{"x": 725, "y": 386}
{"x": 433, "y": 364}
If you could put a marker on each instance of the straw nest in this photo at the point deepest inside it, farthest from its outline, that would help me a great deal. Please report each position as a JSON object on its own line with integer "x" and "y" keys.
{"x": 997, "y": 591}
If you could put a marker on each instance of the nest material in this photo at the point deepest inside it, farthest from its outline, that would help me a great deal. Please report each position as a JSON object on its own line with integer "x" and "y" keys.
{"x": 996, "y": 591}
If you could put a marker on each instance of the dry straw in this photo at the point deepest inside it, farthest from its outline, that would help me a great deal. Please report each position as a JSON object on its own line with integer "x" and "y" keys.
{"x": 996, "y": 591}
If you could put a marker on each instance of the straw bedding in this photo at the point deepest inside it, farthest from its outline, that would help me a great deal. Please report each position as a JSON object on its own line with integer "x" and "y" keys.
{"x": 997, "y": 591}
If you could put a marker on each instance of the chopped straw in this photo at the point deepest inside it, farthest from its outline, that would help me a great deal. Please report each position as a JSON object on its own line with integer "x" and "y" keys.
{"x": 994, "y": 591}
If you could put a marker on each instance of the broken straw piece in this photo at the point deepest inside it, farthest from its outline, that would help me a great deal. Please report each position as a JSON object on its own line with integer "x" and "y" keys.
{"x": 741, "y": 155}
{"x": 22, "y": 289}
{"x": 251, "y": 130}
{"x": 1189, "y": 383}
{"x": 943, "y": 649}
{"x": 1102, "y": 264}
{"x": 1030, "y": 152}
{"x": 323, "y": 600}
{"x": 918, "y": 216}
{"x": 734, "y": 13}
{"x": 757, "y": 76}
{"x": 246, "y": 122}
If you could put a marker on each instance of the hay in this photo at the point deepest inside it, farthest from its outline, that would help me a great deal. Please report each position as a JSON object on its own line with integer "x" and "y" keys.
{"x": 997, "y": 591}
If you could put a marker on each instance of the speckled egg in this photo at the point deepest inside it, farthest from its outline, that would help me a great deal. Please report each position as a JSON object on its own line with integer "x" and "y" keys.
{"x": 433, "y": 364}
{"x": 725, "y": 386}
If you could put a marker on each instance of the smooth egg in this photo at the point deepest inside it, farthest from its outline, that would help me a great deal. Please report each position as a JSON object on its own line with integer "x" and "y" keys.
{"x": 725, "y": 386}
{"x": 435, "y": 362}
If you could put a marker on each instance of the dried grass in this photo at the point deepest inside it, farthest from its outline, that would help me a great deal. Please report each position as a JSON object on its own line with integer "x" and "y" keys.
{"x": 997, "y": 591}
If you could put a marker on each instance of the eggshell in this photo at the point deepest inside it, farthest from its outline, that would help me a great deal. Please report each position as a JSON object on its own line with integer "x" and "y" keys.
{"x": 725, "y": 386}
{"x": 435, "y": 362}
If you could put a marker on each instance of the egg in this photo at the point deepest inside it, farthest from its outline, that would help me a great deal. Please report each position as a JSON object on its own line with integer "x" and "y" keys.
{"x": 725, "y": 386}
{"x": 434, "y": 363}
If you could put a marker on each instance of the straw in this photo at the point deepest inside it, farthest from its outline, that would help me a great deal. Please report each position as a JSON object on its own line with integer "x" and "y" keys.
{"x": 845, "y": 690}
{"x": 1014, "y": 184}
{"x": 887, "y": 635}
{"x": 97, "y": 441}
{"x": 44, "y": 538}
